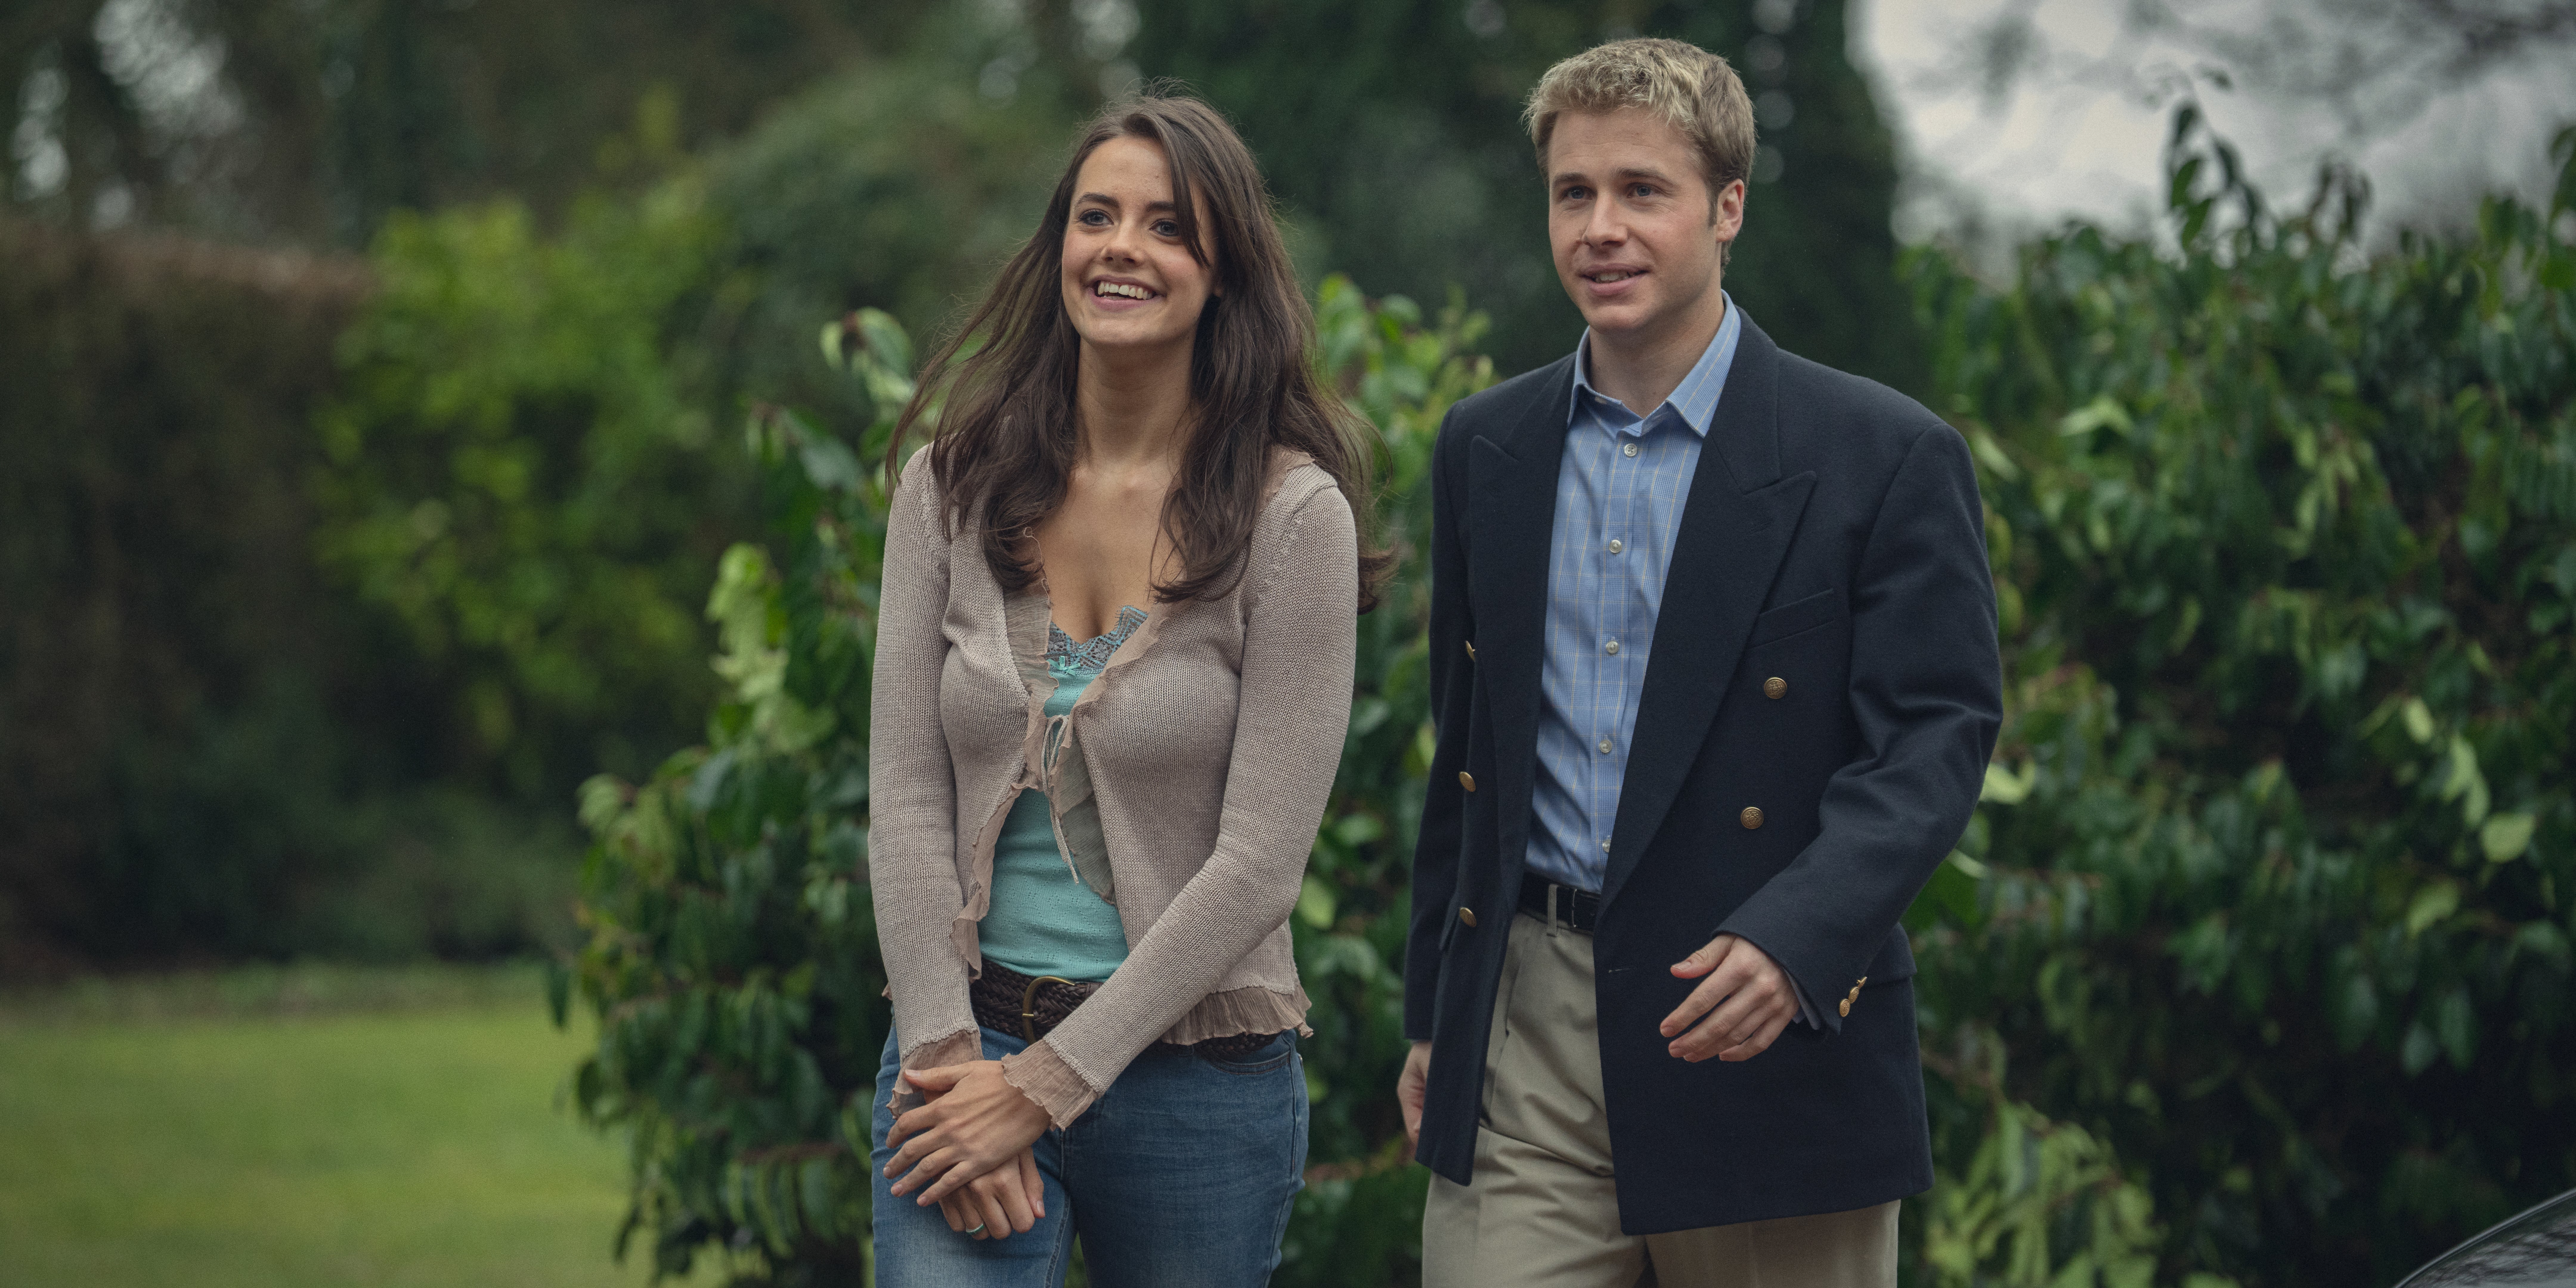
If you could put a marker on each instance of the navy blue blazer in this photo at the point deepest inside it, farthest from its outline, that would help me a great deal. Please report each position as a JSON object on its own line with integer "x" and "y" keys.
{"x": 1832, "y": 541}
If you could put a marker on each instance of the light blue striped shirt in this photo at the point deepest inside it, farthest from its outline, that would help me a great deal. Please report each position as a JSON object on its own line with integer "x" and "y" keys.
{"x": 1619, "y": 497}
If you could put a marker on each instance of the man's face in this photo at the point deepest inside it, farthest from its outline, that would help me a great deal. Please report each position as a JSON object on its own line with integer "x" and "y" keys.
{"x": 1628, "y": 220}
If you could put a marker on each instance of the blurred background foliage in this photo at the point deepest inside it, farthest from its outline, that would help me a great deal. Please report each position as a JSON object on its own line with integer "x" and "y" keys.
{"x": 1404, "y": 163}
{"x": 369, "y": 376}
{"x": 2273, "y": 880}
{"x": 459, "y": 493}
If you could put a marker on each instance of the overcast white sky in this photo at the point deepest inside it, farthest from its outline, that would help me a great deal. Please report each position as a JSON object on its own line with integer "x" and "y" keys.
{"x": 2083, "y": 134}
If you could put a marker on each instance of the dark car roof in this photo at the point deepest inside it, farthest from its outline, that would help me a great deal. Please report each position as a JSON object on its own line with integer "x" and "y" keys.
{"x": 2534, "y": 1250}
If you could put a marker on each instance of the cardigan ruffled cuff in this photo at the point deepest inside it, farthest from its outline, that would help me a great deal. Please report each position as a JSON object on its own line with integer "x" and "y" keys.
{"x": 1250, "y": 1009}
{"x": 1050, "y": 1083}
{"x": 938, "y": 1053}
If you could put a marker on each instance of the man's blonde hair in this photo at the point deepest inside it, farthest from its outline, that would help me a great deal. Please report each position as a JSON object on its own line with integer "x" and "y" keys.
{"x": 1693, "y": 90}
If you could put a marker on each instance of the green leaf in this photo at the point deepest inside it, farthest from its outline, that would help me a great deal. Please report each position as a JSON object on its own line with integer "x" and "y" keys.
{"x": 1358, "y": 829}
{"x": 1315, "y": 903}
{"x": 2419, "y": 720}
{"x": 2455, "y": 1025}
{"x": 2464, "y": 782}
{"x": 2004, "y": 787}
{"x": 2545, "y": 940}
{"x": 2506, "y": 836}
{"x": 558, "y": 992}
{"x": 2417, "y": 1050}
{"x": 2430, "y": 905}
{"x": 2104, "y": 412}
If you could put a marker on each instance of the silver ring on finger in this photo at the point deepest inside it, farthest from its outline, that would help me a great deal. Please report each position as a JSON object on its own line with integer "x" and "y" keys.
{"x": 979, "y": 1227}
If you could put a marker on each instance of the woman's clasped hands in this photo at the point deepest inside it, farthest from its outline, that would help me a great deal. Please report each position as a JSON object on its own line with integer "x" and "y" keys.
{"x": 970, "y": 1145}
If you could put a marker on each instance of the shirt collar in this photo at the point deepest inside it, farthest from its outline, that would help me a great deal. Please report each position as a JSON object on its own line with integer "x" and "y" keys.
{"x": 1695, "y": 398}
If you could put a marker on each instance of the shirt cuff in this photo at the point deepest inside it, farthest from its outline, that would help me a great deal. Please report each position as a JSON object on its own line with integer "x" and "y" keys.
{"x": 1806, "y": 1009}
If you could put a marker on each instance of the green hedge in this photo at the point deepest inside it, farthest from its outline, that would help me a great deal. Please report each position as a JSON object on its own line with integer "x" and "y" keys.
{"x": 165, "y": 648}
{"x": 208, "y": 749}
{"x": 2271, "y": 891}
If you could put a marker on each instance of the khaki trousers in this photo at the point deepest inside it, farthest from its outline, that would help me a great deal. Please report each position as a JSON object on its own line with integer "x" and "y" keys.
{"x": 1544, "y": 1209}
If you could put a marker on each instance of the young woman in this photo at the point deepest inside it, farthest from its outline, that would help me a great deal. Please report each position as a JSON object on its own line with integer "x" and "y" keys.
{"x": 1113, "y": 671}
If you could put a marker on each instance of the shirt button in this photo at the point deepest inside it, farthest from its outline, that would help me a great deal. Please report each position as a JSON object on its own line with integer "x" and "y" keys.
{"x": 1616, "y": 545}
{"x": 1611, "y": 648}
{"x": 1605, "y": 746}
{"x": 1605, "y": 844}
{"x": 1627, "y": 449}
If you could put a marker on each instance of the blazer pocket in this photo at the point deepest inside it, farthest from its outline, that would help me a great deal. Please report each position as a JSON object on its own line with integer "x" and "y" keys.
{"x": 1819, "y": 609}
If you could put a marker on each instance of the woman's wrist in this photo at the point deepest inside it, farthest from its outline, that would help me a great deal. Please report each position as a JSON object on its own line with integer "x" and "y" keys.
{"x": 1039, "y": 1072}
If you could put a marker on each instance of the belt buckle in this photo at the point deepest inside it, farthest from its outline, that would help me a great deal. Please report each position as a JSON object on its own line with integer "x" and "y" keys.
{"x": 1028, "y": 1004}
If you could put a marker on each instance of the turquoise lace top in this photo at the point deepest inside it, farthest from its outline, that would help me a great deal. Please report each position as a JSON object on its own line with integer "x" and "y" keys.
{"x": 1043, "y": 920}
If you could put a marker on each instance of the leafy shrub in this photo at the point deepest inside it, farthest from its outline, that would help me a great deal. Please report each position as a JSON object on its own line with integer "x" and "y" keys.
{"x": 2270, "y": 894}
{"x": 833, "y": 203}
{"x": 516, "y": 477}
{"x": 175, "y": 753}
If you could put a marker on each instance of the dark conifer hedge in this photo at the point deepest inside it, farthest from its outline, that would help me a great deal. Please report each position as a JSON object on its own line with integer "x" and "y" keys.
{"x": 165, "y": 645}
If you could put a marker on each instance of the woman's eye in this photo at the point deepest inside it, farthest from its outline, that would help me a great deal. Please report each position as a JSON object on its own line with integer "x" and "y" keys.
{"x": 1091, "y": 218}
{"x": 1167, "y": 228}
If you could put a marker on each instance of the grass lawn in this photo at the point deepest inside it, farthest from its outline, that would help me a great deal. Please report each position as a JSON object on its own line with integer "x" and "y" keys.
{"x": 278, "y": 1130}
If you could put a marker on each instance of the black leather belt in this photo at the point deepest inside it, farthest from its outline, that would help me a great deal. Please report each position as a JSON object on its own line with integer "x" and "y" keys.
{"x": 1575, "y": 909}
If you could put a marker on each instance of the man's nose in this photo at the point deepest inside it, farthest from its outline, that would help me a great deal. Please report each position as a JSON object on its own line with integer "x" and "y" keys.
{"x": 1604, "y": 227}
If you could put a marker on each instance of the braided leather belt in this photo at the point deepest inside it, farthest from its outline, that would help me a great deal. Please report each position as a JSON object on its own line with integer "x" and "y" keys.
{"x": 1011, "y": 1002}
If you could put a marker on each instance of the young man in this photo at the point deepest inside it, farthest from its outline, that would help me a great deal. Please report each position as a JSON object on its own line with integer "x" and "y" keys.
{"x": 1714, "y": 665}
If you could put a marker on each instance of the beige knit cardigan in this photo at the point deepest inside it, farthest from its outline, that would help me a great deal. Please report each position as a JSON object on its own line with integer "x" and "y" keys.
{"x": 1209, "y": 744}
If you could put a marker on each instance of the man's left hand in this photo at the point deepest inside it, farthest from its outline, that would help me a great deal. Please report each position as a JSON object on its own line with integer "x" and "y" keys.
{"x": 1752, "y": 997}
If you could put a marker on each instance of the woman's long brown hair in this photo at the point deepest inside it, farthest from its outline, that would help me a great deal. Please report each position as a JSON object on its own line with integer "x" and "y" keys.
{"x": 1007, "y": 438}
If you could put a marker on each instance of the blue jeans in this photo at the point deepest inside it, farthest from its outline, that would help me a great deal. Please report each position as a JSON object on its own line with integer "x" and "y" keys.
{"x": 1181, "y": 1175}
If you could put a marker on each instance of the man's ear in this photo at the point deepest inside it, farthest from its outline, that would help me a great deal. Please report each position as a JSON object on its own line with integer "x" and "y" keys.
{"x": 1726, "y": 210}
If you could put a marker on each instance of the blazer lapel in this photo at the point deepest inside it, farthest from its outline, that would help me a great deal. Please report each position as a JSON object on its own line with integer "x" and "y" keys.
{"x": 1511, "y": 511}
{"x": 1735, "y": 529}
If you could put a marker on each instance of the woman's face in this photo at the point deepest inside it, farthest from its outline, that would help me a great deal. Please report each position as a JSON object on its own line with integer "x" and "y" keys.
{"x": 1129, "y": 280}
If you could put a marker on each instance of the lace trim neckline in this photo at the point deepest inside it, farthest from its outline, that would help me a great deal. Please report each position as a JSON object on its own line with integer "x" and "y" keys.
{"x": 1091, "y": 655}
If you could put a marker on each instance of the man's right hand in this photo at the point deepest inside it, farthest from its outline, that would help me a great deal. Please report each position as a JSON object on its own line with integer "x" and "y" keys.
{"x": 1409, "y": 1088}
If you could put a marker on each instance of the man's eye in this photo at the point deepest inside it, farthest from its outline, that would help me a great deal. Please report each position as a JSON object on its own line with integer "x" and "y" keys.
{"x": 1641, "y": 190}
{"x": 1574, "y": 194}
